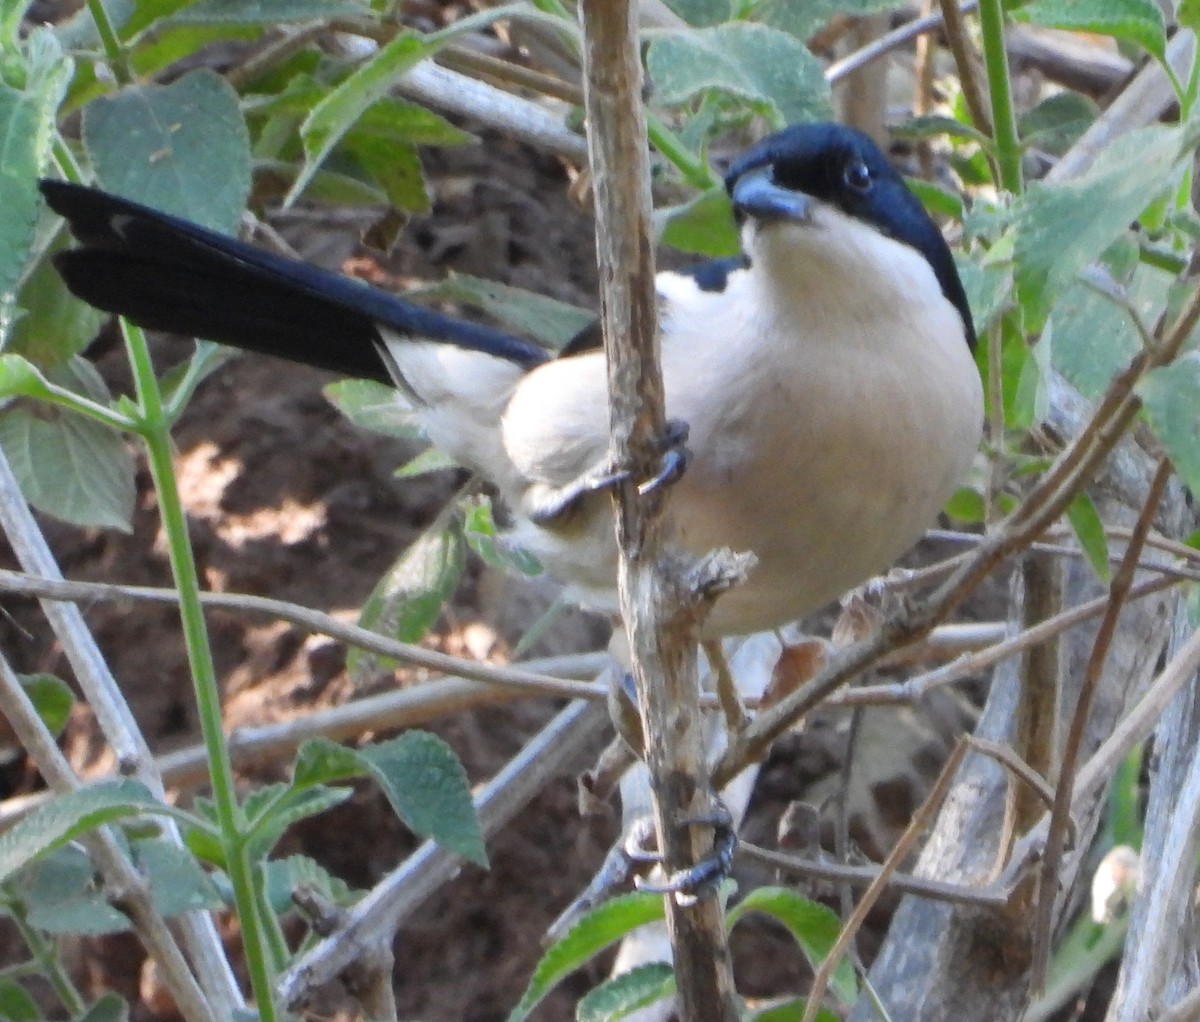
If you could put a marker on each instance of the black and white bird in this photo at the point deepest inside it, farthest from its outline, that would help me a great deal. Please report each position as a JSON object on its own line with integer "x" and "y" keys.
{"x": 826, "y": 376}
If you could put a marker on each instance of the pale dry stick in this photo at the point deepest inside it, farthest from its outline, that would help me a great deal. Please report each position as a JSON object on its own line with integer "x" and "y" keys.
{"x": 909, "y": 691}
{"x": 1143, "y": 101}
{"x": 387, "y": 711}
{"x": 661, "y": 597}
{"x": 50, "y": 589}
{"x": 890, "y": 41}
{"x": 968, "y": 62}
{"x": 1119, "y": 592}
{"x": 1154, "y": 541}
{"x": 123, "y": 884}
{"x": 891, "y": 865}
{"x": 1133, "y": 728}
{"x": 470, "y": 61}
{"x": 519, "y": 118}
{"x": 922, "y": 104}
{"x": 374, "y": 920}
{"x": 116, "y": 722}
{"x": 864, "y": 876}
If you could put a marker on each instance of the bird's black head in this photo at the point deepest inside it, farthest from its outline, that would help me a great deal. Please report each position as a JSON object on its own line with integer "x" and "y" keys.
{"x": 777, "y": 179}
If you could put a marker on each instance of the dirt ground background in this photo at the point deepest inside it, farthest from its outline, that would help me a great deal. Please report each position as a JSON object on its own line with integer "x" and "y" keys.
{"x": 288, "y": 500}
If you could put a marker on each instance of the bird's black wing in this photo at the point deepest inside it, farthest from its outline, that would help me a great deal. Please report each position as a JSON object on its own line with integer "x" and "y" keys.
{"x": 165, "y": 273}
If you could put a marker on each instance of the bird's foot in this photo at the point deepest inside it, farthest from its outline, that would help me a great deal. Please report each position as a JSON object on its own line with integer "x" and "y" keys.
{"x": 700, "y": 880}
{"x": 553, "y": 503}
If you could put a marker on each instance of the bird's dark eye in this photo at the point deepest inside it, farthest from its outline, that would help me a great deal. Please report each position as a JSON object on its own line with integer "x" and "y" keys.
{"x": 857, "y": 176}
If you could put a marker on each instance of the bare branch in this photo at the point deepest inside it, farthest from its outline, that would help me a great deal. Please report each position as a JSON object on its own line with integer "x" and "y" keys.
{"x": 663, "y": 598}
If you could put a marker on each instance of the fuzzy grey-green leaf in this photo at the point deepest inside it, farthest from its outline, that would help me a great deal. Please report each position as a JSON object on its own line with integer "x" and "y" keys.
{"x": 760, "y": 64}
{"x": 67, "y": 816}
{"x": 182, "y": 148}
{"x": 427, "y": 786}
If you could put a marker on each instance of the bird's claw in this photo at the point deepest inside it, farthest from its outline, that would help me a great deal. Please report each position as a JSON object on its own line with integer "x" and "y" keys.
{"x": 673, "y": 460}
{"x": 700, "y": 880}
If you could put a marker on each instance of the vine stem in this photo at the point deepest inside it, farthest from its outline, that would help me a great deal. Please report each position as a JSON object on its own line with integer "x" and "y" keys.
{"x": 154, "y": 429}
{"x": 1004, "y": 120}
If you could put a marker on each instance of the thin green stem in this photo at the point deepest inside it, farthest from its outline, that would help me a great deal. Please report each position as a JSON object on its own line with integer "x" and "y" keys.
{"x": 47, "y": 961}
{"x": 154, "y": 429}
{"x": 276, "y": 942}
{"x": 1004, "y": 120}
{"x": 695, "y": 172}
{"x": 111, "y": 42}
{"x": 53, "y": 394}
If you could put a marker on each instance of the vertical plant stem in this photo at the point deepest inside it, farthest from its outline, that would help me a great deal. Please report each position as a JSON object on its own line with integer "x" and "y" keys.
{"x": 47, "y": 961}
{"x": 155, "y": 433}
{"x": 111, "y": 42}
{"x": 1004, "y": 121}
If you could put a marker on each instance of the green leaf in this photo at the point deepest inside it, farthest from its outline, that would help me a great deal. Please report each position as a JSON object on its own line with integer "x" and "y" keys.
{"x": 73, "y": 468}
{"x": 940, "y": 126}
{"x": 108, "y": 1008}
{"x": 988, "y": 289}
{"x": 394, "y": 166}
{"x": 803, "y": 19}
{"x": 27, "y": 122}
{"x": 1188, "y": 14}
{"x": 1171, "y": 396}
{"x": 596, "y": 930}
{"x": 51, "y": 697}
{"x": 334, "y": 116}
{"x": 1089, "y": 530}
{"x": 480, "y": 532}
{"x": 430, "y": 460}
{"x": 178, "y": 883}
{"x": 62, "y": 894}
{"x": 1056, "y": 123}
{"x": 427, "y": 786}
{"x": 967, "y": 505}
{"x": 67, "y": 816}
{"x": 400, "y": 121}
{"x": 1061, "y": 227}
{"x": 763, "y": 65}
{"x": 617, "y": 997}
{"x": 701, "y": 13}
{"x": 270, "y": 12}
{"x": 182, "y": 148}
{"x": 282, "y": 877}
{"x": 704, "y": 225}
{"x": 814, "y": 928}
{"x": 546, "y": 320}
{"x": 179, "y": 383}
{"x": 373, "y": 406}
{"x": 16, "y": 1004}
{"x": 1138, "y": 21}
{"x": 791, "y": 1011}
{"x": 406, "y": 602}
{"x": 53, "y": 324}
{"x": 1093, "y": 338}
{"x": 270, "y": 821}
{"x": 320, "y": 761}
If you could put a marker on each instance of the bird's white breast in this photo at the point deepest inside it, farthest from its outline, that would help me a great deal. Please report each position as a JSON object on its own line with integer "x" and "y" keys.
{"x": 832, "y": 412}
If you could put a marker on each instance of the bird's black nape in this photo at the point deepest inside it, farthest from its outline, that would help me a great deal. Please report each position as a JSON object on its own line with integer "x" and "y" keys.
{"x": 165, "y": 273}
{"x": 845, "y": 168}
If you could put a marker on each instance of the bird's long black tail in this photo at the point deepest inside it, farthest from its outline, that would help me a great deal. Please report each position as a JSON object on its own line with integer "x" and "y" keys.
{"x": 165, "y": 273}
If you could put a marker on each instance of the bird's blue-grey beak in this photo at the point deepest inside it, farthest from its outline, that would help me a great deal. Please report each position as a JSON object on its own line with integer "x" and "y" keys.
{"x": 756, "y": 194}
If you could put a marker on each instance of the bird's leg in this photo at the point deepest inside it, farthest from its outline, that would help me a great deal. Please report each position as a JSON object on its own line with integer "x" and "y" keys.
{"x": 550, "y": 503}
